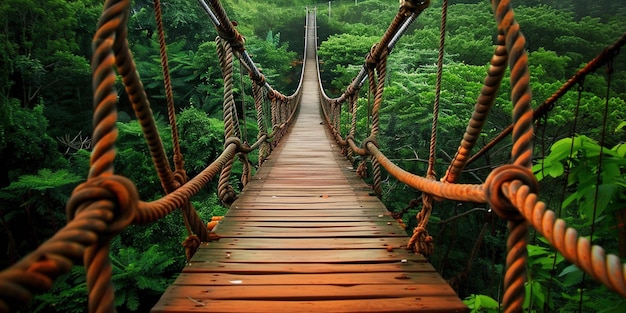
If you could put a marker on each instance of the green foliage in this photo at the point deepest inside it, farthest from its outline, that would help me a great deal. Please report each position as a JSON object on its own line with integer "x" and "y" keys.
{"x": 133, "y": 157}
{"x": 342, "y": 57}
{"x": 582, "y": 155}
{"x": 201, "y": 139}
{"x": 138, "y": 276}
{"x": 482, "y": 303}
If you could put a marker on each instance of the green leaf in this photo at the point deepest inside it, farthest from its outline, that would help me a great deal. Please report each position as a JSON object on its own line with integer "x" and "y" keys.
{"x": 620, "y": 126}
{"x": 604, "y": 197}
{"x": 572, "y": 275}
{"x": 487, "y": 302}
{"x": 556, "y": 169}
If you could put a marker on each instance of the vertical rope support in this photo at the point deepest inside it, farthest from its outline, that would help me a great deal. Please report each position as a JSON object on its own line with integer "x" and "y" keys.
{"x": 353, "y": 110}
{"x": 257, "y": 91}
{"x": 482, "y": 108}
{"x": 246, "y": 172}
{"x": 521, "y": 153}
{"x": 109, "y": 40}
{"x": 274, "y": 114}
{"x": 521, "y": 97}
{"x": 421, "y": 241}
{"x": 193, "y": 222}
{"x": 338, "y": 118}
{"x": 381, "y": 69}
{"x": 171, "y": 110}
{"x": 433, "y": 131}
{"x": 225, "y": 190}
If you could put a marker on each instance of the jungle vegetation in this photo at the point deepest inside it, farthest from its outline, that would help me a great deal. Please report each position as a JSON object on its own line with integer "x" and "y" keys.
{"x": 46, "y": 109}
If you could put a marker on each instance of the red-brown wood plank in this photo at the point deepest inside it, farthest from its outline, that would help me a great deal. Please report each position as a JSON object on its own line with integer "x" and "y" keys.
{"x": 308, "y": 243}
{"x": 181, "y": 304}
{"x": 307, "y": 235}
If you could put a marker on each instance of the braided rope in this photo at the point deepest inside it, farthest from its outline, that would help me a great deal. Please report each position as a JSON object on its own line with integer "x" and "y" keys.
{"x": 605, "y": 268}
{"x": 485, "y": 100}
{"x": 192, "y": 220}
{"x": 137, "y": 95}
{"x": 257, "y": 92}
{"x": 171, "y": 109}
{"x": 226, "y": 192}
{"x": 521, "y": 153}
{"x": 433, "y": 131}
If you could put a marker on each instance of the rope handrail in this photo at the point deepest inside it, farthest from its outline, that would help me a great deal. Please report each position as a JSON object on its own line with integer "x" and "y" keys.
{"x": 510, "y": 189}
{"x": 106, "y": 203}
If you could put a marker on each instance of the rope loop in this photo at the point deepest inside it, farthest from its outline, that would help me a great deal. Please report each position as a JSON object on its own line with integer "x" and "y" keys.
{"x": 408, "y": 7}
{"x": 237, "y": 42}
{"x": 370, "y": 59}
{"x": 191, "y": 244}
{"x": 180, "y": 178}
{"x": 259, "y": 80}
{"x": 361, "y": 170}
{"x": 233, "y": 140}
{"x": 372, "y": 140}
{"x": 421, "y": 242}
{"x": 117, "y": 189}
{"x": 495, "y": 195}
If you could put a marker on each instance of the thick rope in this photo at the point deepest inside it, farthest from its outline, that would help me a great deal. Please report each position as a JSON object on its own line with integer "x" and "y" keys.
{"x": 482, "y": 108}
{"x": 193, "y": 223}
{"x": 433, "y": 131}
{"x": 257, "y": 92}
{"x": 421, "y": 241}
{"x": 226, "y": 192}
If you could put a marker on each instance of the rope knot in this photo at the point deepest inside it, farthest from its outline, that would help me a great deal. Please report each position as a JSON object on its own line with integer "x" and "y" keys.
{"x": 114, "y": 193}
{"x": 237, "y": 42}
{"x": 180, "y": 178}
{"x": 233, "y": 140}
{"x": 408, "y": 7}
{"x": 259, "y": 80}
{"x": 421, "y": 242}
{"x": 370, "y": 60}
{"x": 370, "y": 139}
{"x": 191, "y": 244}
{"x": 497, "y": 198}
{"x": 361, "y": 170}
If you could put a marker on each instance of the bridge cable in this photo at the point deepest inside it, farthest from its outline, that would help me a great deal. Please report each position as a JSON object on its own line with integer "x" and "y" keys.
{"x": 549, "y": 103}
{"x": 421, "y": 241}
{"x": 596, "y": 192}
{"x": 192, "y": 243}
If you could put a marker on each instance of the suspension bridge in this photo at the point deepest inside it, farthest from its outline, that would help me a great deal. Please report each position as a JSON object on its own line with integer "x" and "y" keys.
{"x": 306, "y": 233}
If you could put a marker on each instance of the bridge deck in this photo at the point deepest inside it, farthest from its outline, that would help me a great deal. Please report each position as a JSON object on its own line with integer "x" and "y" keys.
{"x": 306, "y": 236}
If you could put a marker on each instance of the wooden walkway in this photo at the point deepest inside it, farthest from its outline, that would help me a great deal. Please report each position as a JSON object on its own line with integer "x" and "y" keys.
{"x": 306, "y": 236}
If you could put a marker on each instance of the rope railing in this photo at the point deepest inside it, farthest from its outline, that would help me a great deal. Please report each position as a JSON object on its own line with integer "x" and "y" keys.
{"x": 510, "y": 189}
{"x": 106, "y": 203}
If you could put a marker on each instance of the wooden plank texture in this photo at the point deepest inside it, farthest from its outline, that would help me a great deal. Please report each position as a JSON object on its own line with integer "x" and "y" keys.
{"x": 307, "y": 235}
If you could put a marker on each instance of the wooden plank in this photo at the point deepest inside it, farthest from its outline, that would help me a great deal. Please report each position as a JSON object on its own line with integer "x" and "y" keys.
{"x": 338, "y": 279}
{"x": 336, "y": 234}
{"x": 304, "y": 224}
{"x": 198, "y": 265}
{"x": 307, "y": 292}
{"x": 289, "y": 218}
{"x": 307, "y": 256}
{"x": 308, "y": 243}
{"x": 181, "y": 304}
{"x": 312, "y": 213}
